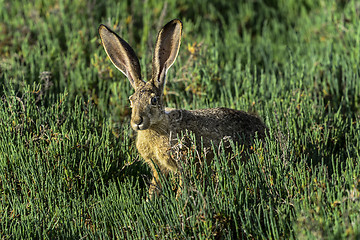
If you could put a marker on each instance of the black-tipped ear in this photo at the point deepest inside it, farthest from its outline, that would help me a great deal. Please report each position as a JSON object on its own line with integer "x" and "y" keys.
{"x": 166, "y": 50}
{"x": 121, "y": 55}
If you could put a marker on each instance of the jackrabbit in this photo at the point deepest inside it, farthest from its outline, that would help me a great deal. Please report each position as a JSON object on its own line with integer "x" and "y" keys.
{"x": 158, "y": 127}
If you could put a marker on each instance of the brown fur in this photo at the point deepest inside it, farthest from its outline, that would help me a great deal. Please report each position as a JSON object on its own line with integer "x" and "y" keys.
{"x": 158, "y": 127}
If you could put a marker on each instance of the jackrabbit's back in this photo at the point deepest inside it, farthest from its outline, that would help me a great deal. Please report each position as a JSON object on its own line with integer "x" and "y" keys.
{"x": 215, "y": 124}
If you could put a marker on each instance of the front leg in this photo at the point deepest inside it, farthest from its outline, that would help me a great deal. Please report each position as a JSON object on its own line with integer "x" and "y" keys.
{"x": 155, "y": 185}
{"x": 164, "y": 165}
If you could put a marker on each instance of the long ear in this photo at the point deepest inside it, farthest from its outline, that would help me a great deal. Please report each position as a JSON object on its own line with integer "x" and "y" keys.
{"x": 166, "y": 50}
{"x": 121, "y": 55}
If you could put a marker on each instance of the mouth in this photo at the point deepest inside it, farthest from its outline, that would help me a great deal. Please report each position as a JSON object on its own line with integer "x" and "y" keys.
{"x": 139, "y": 127}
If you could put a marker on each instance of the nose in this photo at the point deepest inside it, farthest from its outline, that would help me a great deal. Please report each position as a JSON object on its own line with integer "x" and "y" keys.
{"x": 138, "y": 120}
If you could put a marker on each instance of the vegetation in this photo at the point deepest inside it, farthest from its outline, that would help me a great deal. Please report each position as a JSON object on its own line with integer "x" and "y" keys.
{"x": 68, "y": 163}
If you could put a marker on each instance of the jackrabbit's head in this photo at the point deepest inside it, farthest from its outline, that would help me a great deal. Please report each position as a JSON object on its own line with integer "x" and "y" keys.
{"x": 147, "y": 101}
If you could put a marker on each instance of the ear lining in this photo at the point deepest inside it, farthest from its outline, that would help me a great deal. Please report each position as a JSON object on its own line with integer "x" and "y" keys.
{"x": 166, "y": 50}
{"x": 121, "y": 55}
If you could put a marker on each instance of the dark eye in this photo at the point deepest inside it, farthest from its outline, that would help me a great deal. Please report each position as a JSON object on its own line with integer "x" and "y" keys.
{"x": 154, "y": 100}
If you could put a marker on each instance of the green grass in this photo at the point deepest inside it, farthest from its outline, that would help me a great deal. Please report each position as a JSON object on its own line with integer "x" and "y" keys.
{"x": 68, "y": 162}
